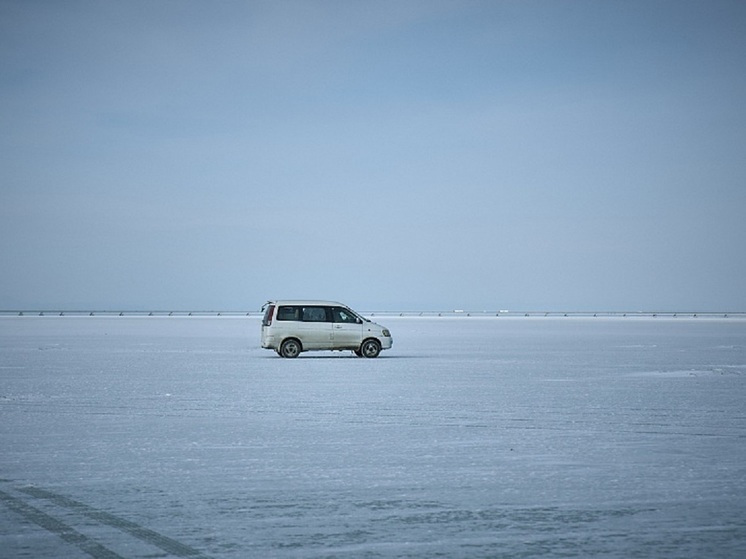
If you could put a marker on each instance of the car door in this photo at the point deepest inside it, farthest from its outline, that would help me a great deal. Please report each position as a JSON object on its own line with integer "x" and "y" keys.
{"x": 315, "y": 327}
{"x": 347, "y": 328}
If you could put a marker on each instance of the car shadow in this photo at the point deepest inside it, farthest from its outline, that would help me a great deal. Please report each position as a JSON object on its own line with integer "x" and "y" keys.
{"x": 355, "y": 357}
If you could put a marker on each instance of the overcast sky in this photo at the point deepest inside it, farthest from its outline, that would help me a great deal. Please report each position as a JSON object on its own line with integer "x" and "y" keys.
{"x": 421, "y": 155}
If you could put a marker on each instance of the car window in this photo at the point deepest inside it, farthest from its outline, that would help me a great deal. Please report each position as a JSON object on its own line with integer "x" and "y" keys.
{"x": 314, "y": 314}
{"x": 343, "y": 315}
{"x": 288, "y": 313}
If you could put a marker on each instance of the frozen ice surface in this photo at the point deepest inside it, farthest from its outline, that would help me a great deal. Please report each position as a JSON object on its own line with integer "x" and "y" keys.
{"x": 472, "y": 437}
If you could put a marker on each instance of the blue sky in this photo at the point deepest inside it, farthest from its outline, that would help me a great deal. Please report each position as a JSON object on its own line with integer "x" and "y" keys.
{"x": 533, "y": 155}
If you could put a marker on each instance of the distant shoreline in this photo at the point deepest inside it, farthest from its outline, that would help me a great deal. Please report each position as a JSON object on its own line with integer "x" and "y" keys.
{"x": 424, "y": 314}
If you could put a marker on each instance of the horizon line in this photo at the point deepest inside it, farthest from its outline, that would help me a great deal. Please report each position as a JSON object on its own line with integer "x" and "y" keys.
{"x": 436, "y": 313}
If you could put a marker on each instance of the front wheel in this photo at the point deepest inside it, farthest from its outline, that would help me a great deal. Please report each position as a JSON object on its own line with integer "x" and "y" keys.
{"x": 290, "y": 348}
{"x": 370, "y": 348}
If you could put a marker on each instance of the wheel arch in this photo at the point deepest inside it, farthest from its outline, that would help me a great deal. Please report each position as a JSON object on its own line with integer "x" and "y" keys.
{"x": 296, "y": 338}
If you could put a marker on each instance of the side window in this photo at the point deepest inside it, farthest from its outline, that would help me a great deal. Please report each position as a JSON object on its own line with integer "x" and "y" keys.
{"x": 314, "y": 314}
{"x": 343, "y": 315}
{"x": 288, "y": 313}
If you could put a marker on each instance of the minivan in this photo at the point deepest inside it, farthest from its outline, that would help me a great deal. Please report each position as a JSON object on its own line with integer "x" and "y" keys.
{"x": 292, "y": 327}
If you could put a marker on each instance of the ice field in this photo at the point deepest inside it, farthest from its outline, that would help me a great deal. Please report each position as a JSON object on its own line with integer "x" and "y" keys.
{"x": 473, "y": 437}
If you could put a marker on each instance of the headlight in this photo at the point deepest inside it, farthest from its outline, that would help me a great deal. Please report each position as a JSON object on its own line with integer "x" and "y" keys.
{"x": 386, "y": 333}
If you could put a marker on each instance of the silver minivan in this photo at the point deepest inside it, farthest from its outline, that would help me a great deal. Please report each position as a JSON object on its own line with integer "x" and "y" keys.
{"x": 292, "y": 327}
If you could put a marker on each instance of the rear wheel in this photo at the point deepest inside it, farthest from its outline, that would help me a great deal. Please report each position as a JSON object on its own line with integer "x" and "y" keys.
{"x": 370, "y": 348}
{"x": 290, "y": 348}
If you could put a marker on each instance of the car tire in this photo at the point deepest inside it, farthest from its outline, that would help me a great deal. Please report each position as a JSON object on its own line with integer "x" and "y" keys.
{"x": 370, "y": 348}
{"x": 290, "y": 348}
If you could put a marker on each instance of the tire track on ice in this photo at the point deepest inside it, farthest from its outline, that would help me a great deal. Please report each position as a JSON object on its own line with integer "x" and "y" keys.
{"x": 83, "y": 542}
{"x": 51, "y": 524}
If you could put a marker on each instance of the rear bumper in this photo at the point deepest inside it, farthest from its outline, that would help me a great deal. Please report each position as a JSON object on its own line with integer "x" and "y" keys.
{"x": 268, "y": 342}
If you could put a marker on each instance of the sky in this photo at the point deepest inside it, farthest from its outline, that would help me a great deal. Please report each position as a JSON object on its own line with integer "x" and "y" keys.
{"x": 402, "y": 155}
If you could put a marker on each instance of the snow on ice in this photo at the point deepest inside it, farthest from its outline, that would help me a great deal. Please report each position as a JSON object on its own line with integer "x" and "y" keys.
{"x": 472, "y": 437}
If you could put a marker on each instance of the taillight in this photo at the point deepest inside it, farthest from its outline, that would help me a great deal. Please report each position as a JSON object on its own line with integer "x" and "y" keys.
{"x": 268, "y": 315}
